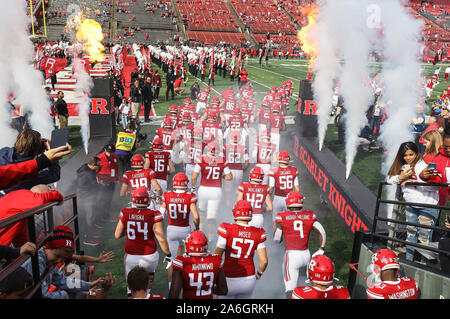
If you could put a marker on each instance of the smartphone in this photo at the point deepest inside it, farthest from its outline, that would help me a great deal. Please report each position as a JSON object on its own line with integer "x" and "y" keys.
{"x": 59, "y": 137}
{"x": 432, "y": 166}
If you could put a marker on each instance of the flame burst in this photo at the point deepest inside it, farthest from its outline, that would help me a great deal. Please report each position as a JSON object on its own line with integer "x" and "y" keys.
{"x": 89, "y": 34}
{"x": 306, "y": 34}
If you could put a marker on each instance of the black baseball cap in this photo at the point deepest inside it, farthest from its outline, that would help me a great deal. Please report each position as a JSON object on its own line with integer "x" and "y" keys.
{"x": 110, "y": 148}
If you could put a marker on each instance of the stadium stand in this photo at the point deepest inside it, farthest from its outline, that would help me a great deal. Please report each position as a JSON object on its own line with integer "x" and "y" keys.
{"x": 206, "y": 15}
{"x": 262, "y": 17}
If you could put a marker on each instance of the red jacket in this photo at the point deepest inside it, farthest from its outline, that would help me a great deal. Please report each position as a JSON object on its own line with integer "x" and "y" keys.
{"x": 19, "y": 201}
{"x": 110, "y": 168}
{"x": 14, "y": 173}
{"x": 443, "y": 161}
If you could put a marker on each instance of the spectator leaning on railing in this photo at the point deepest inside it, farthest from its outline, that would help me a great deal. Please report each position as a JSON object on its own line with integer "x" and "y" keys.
{"x": 408, "y": 166}
{"x": 20, "y": 201}
{"x": 28, "y": 145}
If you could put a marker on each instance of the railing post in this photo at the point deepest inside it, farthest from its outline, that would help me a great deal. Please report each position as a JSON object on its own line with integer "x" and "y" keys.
{"x": 34, "y": 259}
{"x": 76, "y": 223}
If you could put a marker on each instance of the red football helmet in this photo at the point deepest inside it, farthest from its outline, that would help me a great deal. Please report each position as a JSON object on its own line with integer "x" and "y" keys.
{"x": 167, "y": 123}
{"x": 276, "y": 108}
{"x": 186, "y": 117}
{"x": 215, "y": 101}
{"x": 211, "y": 116}
{"x": 257, "y": 174}
{"x": 235, "y": 136}
{"x": 274, "y": 89}
{"x": 321, "y": 270}
{"x": 265, "y": 135}
{"x": 197, "y": 133}
{"x": 207, "y": 88}
{"x": 196, "y": 244}
{"x": 187, "y": 101}
{"x": 294, "y": 199}
{"x": 283, "y": 157}
{"x": 158, "y": 144}
{"x": 141, "y": 198}
{"x": 248, "y": 84}
{"x": 237, "y": 111}
{"x": 180, "y": 181}
{"x": 137, "y": 161}
{"x": 213, "y": 149}
{"x": 384, "y": 259}
{"x": 173, "y": 109}
{"x": 242, "y": 210}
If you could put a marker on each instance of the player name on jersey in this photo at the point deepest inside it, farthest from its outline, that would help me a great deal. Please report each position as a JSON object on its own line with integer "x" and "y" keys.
{"x": 202, "y": 267}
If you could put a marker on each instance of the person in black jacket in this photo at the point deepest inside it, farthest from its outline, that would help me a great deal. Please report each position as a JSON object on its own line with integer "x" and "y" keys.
{"x": 170, "y": 80}
{"x": 136, "y": 98}
{"x": 147, "y": 97}
{"x": 62, "y": 110}
{"x": 87, "y": 191}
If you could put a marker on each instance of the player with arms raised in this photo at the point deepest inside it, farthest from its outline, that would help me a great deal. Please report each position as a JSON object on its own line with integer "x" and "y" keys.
{"x": 239, "y": 242}
{"x": 197, "y": 273}
{"x": 295, "y": 225}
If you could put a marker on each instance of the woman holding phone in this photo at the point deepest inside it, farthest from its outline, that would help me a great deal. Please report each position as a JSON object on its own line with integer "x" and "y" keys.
{"x": 407, "y": 167}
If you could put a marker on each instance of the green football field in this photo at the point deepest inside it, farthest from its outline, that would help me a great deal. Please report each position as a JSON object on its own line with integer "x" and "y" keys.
{"x": 339, "y": 242}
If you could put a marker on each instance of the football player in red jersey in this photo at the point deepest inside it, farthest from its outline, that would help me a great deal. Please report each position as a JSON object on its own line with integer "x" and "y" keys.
{"x": 139, "y": 283}
{"x": 321, "y": 273}
{"x": 203, "y": 99}
{"x": 236, "y": 155}
{"x": 197, "y": 273}
{"x": 139, "y": 177}
{"x": 179, "y": 204}
{"x": 389, "y": 284}
{"x": 191, "y": 152}
{"x": 236, "y": 122}
{"x": 167, "y": 134}
{"x": 212, "y": 128}
{"x": 141, "y": 226}
{"x": 276, "y": 124}
{"x": 247, "y": 112}
{"x": 239, "y": 242}
{"x": 214, "y": 108}
{"x": 160, "y": 162}
{"x": 173, "y": 116}
{"x": 228, "y": 105}
{"x": 213, "y": 168}
{"x": 262, "y": 116}
{"x": 296, "y": 225}
{"x": 184, "y": 129}
{"x": 264, "y": 152}
{"x": 282, "y": 179}
{"x": 256, "y": 194}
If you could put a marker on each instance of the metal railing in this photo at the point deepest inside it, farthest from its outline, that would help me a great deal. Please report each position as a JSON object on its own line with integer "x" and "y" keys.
{"x": 377, "y": 218}
{"x": 47, "y": 228}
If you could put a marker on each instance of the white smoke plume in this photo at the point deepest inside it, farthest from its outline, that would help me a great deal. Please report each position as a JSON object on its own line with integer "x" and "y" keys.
{"x": 18, "y": 74}
{"x": 347, "y": 26}
{"x": 83, "y": 88}
{"x": 326, "y": 66}
{"x": 401, "y": 74}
